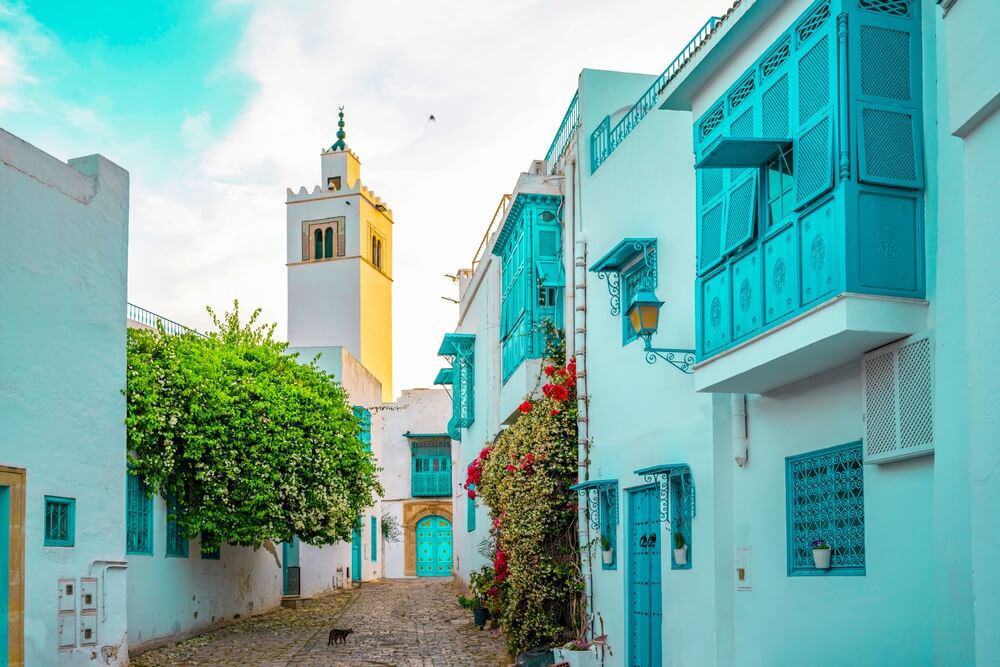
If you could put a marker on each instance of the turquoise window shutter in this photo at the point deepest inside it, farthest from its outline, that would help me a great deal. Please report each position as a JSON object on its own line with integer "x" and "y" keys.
{"x": 60, "y": 521}
{"x": 826, "y": 501}
{"x": 365, "y": 421}
{"x": 431, "y": 468}
{"x": 328, "y": 243}
{"x": 138, "y": 517}
{"x": 318, "y": 254}
{"x": 470, "y": 512}
{"x": 177, "y": 544}
{"x": 374, "y": 548}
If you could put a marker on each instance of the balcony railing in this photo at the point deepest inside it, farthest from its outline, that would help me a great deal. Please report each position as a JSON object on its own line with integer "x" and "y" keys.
{"x": 564, "y": 135}
{"x": 151, "y": 319}
{"x": 605, "y": 139}
{"x": 498, "y": 216}
{"x": 436, "y": 483}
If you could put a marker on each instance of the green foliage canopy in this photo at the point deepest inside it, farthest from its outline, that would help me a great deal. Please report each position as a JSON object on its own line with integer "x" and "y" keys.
{"x": 252, "y": 444}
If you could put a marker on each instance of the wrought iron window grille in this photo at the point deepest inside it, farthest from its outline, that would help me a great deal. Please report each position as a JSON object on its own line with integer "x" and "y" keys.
{"x": 678, "y": 474}
{"x": 600, "y": 500}
{"x": 60, "y": 520}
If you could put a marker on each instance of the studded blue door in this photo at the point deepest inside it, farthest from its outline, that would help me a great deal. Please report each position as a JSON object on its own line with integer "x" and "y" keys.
{"x": 644, "y": 605}
{"x": 289, "y": 558}
{"x": 434, "y": 547}
{"x": 356, "y": 553}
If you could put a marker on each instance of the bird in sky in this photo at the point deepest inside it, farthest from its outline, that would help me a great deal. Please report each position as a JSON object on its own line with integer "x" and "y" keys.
{"x": 431, "y": 119}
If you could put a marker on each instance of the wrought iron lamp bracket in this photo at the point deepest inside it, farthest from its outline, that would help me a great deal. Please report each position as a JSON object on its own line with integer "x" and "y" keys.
{"x": 680, "y": 358}
{"x": 613, "y": 289}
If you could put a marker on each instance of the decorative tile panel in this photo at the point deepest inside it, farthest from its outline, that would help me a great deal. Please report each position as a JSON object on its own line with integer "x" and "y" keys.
{"x": 781, "y": 274}
{"x": 819, "y": 253}
{"x": 747, "y": 295}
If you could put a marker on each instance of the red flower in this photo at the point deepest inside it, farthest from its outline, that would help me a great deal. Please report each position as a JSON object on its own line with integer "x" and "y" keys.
{"x": 556, "y": 392}
{"x": 510, "y": 468}
{"x": 492, "y": 592}
{"x": 550, "y": 370}
{"x": 553, "y": 413}
{"x": 472, "y": 493}
{"x": 485, "y": 453}
{"x": 525, "y": 407}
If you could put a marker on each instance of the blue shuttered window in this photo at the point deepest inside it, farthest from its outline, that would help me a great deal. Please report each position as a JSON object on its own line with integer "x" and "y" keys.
{"x": 365, "y": 421}
{"x": 60, "y": 521}
{"x": 825, "y": 497}
{"x": 608, "y": 501}
{"x": 177, "y": 543}
{"x": 374, "y": 549}
{"x": 470, "y": 511}
{"x": 431, "y": 468}
{"x": 138, "y": 517}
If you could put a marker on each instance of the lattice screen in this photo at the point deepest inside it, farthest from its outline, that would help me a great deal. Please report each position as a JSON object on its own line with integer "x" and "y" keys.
{"x": 774, "y": 109}
{"x": 814, "y": 79}
{"x": 885, "y": 62}
{"x": 712, "y": 222}
{"x": 888, "y": 146}
{"x": 813, "y": 162}
{"x": 741, "y": 213}
{"x": 899, "y": 400}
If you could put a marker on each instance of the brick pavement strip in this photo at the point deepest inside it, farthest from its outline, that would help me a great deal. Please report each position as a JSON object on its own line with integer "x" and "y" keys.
{"x": 404, "y": 622}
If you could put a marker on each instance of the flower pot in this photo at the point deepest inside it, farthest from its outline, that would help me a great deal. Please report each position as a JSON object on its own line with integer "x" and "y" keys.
{"x": 681, "y": 555}
{"x": 480, "y": 615}
{"x": 586, "y": 658}
{"x": 608, "y": 555}
{"x": 821, "y": 557}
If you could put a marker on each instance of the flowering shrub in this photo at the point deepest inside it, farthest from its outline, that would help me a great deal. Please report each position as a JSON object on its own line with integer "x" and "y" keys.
{"x": 524, "y": 479}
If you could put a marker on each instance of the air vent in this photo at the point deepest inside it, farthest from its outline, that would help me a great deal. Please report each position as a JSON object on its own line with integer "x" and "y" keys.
{"x": 899, "y": 400}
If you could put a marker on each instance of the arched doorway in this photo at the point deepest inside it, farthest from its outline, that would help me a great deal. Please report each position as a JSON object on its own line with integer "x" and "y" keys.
{"x": 434, "y": 547}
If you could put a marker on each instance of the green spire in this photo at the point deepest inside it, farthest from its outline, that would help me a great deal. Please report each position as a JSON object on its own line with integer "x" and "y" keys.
{"x": 341, "y": 135}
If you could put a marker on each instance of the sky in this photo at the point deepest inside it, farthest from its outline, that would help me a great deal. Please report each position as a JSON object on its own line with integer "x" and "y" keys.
{"x": 215, "y": 108}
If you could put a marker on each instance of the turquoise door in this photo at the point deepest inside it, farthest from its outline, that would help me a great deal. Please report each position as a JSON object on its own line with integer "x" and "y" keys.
{"x": 356, "y": 553}
{"x": 289, "y": 558}
{"x": 434, "y": 547}
{"x": 645, "y": 608}
{"x": 5, "y": 567}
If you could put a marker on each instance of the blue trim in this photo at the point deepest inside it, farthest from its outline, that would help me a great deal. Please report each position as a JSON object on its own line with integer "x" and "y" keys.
{"x": 136, "y": 494}
{"x": 453, "y": 342}
{"x": 510, "y": 220}
{"x": 443, "y": 376}
{"x": 431, "y": 436}
{"x": 374, "y": 548}
{"x": 622, "y": 254}
{"x": 177, "y": 546}
{"x": 70, "y": 508}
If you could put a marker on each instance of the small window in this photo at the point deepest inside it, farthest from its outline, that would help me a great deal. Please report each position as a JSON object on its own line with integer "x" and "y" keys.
{"x": 177, "y": 544}
{"x": 826, "y": 501}
{"x": 328, "y": 245}
{"x": 379, "y": 254}
{"x": 780, "y": 184}
{"x": 318, "y": 254}
{"x": 333, "y": 183}
{"x": 138, "y": 517}
{"x": 609, "y": 529}
{"x": 470, "y": 511}
{"x": 60, "y": 520}
{"x": 365, "y": 422}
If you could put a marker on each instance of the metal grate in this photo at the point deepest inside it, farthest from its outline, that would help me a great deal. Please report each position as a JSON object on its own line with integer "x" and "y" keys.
{"x": 888, "y": 144}
{"x": 885, "y": 62}
{"x": 916, "y": 413}
{"x": 138, "y": 517}
{"x": 743, "y": 91}
{"x": 775, "y": 59}
{"x": 774, "y": 109}
{"x": 826, "y": 501}
{"x": 711, "y": 183}
{"x": 177, "y": 543}
{"x": 813, "y": 22}
{"x": 58, "y": 522}
{"x": 814, "y": 80}
{"x": 711, "y": 235}
{"x": 742, "y": 206}
{"x": 890, "y": 7}
{"x": 712, "y": 121}
{"x": 813, "y": 162}
{"x": 880, "y": 404}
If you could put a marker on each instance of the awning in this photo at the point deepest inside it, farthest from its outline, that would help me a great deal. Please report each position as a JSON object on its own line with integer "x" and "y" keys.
{"x": 550, "y": 273}
{"x": 742, "y": 152}
{"x": 443, "y": 376}
{"x": 618, "y": 257}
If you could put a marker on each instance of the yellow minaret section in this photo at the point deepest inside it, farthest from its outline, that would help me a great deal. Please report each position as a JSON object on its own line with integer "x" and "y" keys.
{"x": 340, "y": 265}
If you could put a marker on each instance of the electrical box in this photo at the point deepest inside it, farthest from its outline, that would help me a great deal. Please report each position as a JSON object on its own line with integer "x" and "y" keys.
{"x": 67, "y": 595}
{"x": 88, "y": 628}
{"x": 67, "y": 629}
{"x": 743, "y": 569}
{"x": 88, "y": 594}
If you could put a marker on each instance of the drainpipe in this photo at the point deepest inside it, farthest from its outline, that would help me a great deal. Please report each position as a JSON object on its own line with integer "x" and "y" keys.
{"x": 738, "y": 415}
{"x": 106, "y": 565}
{"x": 579, "y": 351}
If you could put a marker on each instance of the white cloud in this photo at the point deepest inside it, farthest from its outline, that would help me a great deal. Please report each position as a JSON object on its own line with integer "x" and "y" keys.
{"x": 497, "y": 76}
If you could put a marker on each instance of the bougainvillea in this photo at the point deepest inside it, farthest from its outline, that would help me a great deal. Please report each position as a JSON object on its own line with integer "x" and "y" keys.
{"x": 525, "y": 480}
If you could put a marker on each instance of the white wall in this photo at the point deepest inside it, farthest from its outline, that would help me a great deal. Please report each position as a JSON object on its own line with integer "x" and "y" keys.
{"x": 63, "y": 265}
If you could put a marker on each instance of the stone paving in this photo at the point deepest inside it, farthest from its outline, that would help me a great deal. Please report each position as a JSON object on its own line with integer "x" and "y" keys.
{"x": 405, "y": 622}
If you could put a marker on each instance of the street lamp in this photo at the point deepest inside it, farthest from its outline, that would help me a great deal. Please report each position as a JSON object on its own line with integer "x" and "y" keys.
{"x": 644, "y": 315}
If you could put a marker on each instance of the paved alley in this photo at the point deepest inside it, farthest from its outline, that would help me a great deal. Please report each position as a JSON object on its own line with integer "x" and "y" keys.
{"x": 409, "y": 622}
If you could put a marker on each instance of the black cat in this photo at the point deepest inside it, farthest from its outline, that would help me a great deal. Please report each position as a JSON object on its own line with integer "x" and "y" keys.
{"x": 338, "y": 636}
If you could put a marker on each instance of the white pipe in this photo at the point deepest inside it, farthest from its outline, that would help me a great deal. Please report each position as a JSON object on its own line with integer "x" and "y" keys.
{"x": 738, "y": 415}
{"x": 108, "y": 564}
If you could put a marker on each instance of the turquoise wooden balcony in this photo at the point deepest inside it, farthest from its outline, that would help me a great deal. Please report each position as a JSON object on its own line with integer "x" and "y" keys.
{"x": 431, "y": 470}
{"x": 810, "y": 202}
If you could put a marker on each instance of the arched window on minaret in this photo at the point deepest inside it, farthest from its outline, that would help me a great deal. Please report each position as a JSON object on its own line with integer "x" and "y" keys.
{"x": 374, "y": 251}
{"x": 329, "y": 241}
{"x": 379, "y": 253}
{"x": 319, "y": 244}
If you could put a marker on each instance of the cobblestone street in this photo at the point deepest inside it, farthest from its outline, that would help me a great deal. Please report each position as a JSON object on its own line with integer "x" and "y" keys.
{"x": 413, "y": 622}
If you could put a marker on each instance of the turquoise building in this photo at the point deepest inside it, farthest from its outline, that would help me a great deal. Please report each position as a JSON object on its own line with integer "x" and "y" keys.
{"x": 805, "y": 199}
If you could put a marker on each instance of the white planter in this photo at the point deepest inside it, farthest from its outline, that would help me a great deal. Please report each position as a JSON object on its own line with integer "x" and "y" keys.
{"x": 608, "y": 555}
{"x": 681, "y": 555}
{"x": 577, "y": 658}
{"x": 821, "y": 557}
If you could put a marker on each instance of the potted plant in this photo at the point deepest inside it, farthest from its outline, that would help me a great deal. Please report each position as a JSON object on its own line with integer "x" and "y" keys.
{"x": 481, "y": 583}
{"x": 577, "y": 653}
{"x": 821, "y": 554}
{"x": 607, "y": 550}
{"x": 680, "y": 548}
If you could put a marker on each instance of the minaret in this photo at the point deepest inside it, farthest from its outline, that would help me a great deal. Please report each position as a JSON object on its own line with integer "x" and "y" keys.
{"x": 340, "y": 264}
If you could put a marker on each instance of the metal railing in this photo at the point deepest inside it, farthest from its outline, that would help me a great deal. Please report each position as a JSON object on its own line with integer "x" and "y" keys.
{"x": 564, "y": 135}
{"x": 605, "y": 139}
{"x": 498, "y": 215}
{"x": 150, "y": 319}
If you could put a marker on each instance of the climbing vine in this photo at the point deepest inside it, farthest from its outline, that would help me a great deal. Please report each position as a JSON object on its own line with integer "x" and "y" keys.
{"x": 252, "y": 443}
{"x": 524, "y": 478}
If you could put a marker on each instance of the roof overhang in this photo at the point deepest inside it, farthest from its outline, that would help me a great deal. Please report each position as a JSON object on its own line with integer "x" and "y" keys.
{"x": 619, "y": 257}
{"x": 742, "y": 152}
